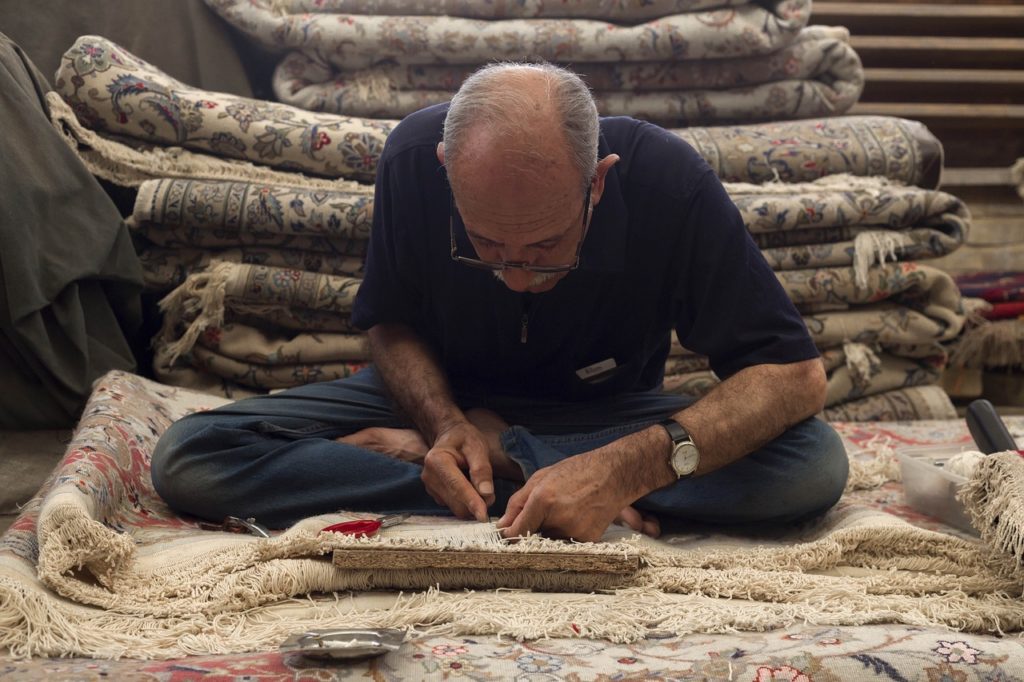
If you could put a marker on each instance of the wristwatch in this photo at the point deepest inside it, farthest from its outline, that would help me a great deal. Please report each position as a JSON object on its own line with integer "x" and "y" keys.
{"x": 685, "y": 457}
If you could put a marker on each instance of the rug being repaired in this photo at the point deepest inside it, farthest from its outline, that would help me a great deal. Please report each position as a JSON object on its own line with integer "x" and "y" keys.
{"x": 98, "y": 566}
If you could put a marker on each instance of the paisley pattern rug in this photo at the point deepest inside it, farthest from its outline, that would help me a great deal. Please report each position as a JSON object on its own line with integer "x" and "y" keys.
{"x": 113, "y": 92}
{"x": 675, "y": 63}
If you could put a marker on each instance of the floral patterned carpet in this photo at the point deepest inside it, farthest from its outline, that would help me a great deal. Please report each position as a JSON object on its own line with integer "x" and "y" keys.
{"x": 798, "y": 653}
{"x": 793, "y": 655}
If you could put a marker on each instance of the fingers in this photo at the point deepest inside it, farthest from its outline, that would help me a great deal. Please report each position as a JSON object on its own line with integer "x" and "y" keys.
{"x": 652, "y": 527}
{"x": 527, "y": 520}
{"x": 639, "y": 521}
{"x": 480, "y": 471}
{"x": 515, "y": 505}
{"x": 444, "y": 479}
{"x": 632, "y": 519}
{"x": 470, "y": 450}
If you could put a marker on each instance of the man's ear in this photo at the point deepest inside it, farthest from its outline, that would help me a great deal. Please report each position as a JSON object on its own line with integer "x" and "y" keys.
{"x": 600, "y": 173}
{"x": 440, "y": 152}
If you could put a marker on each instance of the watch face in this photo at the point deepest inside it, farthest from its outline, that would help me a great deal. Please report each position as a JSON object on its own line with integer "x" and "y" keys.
{"x": 685, "y": 459}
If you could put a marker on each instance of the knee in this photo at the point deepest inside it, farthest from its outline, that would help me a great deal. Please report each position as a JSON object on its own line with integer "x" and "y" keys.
{"x": 175, "y": 464}
{"x": 827, "y": 465}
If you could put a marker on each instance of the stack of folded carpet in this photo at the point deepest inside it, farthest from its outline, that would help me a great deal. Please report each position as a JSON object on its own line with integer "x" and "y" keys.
{"x": 675, "y": 62}
{"x": 264, "y": 262}
{"x": 274, "y": 274}
{"x": 879, "y": 324}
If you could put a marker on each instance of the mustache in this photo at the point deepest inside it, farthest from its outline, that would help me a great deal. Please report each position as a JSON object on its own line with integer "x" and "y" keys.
{"x": 538, "y": 277}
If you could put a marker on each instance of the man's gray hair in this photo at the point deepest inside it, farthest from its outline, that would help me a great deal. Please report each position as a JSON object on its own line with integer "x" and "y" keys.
{"x": 485, "y": 99}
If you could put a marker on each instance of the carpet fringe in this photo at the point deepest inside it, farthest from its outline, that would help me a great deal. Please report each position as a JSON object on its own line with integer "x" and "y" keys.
{"x": 199, "y": 302}
{"x": 997, "y": 343}
{"x": 992, "y": 498}
{"x": 873, "y": 247}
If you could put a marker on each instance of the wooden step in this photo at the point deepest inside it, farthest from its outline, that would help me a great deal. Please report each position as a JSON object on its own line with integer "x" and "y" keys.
{"x": 956, "y": 2}
{"x": 1002, "y": 115}
{"x": 943, "y": 85}
{"x": 977, "y": 177}
{"x": 978, "y": 143}
{"x": 922, "y": 19}
{"x": 977, "y": 258}
{"x": 938, "y": 52}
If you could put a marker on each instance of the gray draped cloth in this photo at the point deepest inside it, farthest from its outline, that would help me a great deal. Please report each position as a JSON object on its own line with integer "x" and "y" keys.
{"x": 69, "y": 277}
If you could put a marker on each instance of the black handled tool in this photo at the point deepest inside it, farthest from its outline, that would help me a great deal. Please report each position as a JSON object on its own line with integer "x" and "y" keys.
{"x": 987, "y": 428}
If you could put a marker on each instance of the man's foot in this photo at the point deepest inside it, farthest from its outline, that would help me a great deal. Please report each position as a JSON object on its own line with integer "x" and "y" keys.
{"x": 404, "y": 444}
{"x": 639, "y": 521}
{"x": 490, "y": 425}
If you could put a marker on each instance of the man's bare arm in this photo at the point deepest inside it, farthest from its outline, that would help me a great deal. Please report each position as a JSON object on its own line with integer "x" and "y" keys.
{"x": 580, "y": 496}
{"x": 418, "y": 384}
{"x": 751, "y": 408}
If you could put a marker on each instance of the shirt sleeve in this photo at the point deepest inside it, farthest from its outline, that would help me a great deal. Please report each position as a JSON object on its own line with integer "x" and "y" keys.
{"x": 729, "y": 304}
{"x": 389, "y": 292}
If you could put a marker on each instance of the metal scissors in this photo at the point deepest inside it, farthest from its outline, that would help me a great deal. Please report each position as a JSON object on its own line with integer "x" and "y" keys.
{"x": 366, "y": 527}
{"x": 236, "y": 524}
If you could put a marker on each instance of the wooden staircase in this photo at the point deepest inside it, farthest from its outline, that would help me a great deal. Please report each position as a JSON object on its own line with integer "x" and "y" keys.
{"x": 958, "y": 67}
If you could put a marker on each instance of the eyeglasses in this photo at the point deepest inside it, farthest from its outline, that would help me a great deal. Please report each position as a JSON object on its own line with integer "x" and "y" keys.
{"x": 505, "y": 265}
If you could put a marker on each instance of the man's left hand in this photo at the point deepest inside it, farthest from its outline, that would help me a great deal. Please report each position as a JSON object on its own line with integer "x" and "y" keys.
{"x": 574, "y": 498}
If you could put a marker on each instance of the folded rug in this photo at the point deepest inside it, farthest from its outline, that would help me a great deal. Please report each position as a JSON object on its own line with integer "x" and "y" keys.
{"x": 114, "y": 92}
{"x": 254, "y": 357}
{"x": 853, "y": 372}
{"x": 165, "y": 268}
{"x": 359, "y": 34}
{"x": 842, "y": 220}
{"x": 292, "y": 299}
{"x": 902, "y": 303}
{"x": 97, "y": 565}
{"x": 188, "y": 223}
{"x": 817, "y": 74}
{"x": 901, "y": 404}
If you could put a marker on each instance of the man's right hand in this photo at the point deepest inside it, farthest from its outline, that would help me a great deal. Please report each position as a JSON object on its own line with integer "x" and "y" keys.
{"x": 459, "y": 449}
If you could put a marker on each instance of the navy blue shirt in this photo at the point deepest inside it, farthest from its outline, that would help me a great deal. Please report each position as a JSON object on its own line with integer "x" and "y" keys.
{"x": 666, "y": 249}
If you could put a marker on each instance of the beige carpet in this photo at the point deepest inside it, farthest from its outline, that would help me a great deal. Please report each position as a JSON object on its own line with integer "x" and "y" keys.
{"x": 98, "y": 566}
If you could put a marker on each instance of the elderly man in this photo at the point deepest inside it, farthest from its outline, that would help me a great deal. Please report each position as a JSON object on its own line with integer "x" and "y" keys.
{"x": 527, "y": 264}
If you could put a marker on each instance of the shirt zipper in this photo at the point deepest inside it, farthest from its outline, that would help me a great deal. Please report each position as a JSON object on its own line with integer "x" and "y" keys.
{"x": 524, "y": 322}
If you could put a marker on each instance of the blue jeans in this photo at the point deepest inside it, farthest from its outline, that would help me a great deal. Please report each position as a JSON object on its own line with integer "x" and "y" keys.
{"x": 275, "y": 458}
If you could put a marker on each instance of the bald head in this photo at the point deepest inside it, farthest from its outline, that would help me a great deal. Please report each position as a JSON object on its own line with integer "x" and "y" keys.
{"x": 539, "y": 120}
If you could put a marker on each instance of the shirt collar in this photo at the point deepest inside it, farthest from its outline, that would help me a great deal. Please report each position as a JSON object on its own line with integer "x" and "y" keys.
{"x": 604, "y": 249}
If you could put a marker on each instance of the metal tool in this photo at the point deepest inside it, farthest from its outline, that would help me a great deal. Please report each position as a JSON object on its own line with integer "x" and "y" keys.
{"x": 366, "y": 527}
{"x": 344, "y": 644}
{"x": 235, "y": 524}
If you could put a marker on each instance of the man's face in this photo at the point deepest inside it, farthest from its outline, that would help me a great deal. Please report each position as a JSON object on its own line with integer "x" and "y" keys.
{"x": 514, "y": 227}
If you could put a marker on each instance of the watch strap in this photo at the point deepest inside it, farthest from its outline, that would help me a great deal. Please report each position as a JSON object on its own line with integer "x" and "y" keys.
{"x": 675, "y": 431}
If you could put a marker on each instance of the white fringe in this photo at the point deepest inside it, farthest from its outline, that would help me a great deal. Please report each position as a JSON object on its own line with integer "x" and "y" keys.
{"x": 199, "y": 303}
{"x": 873, "y": 248}
{"x": 862, "y": 362}
{"x": 994, "y": 500}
